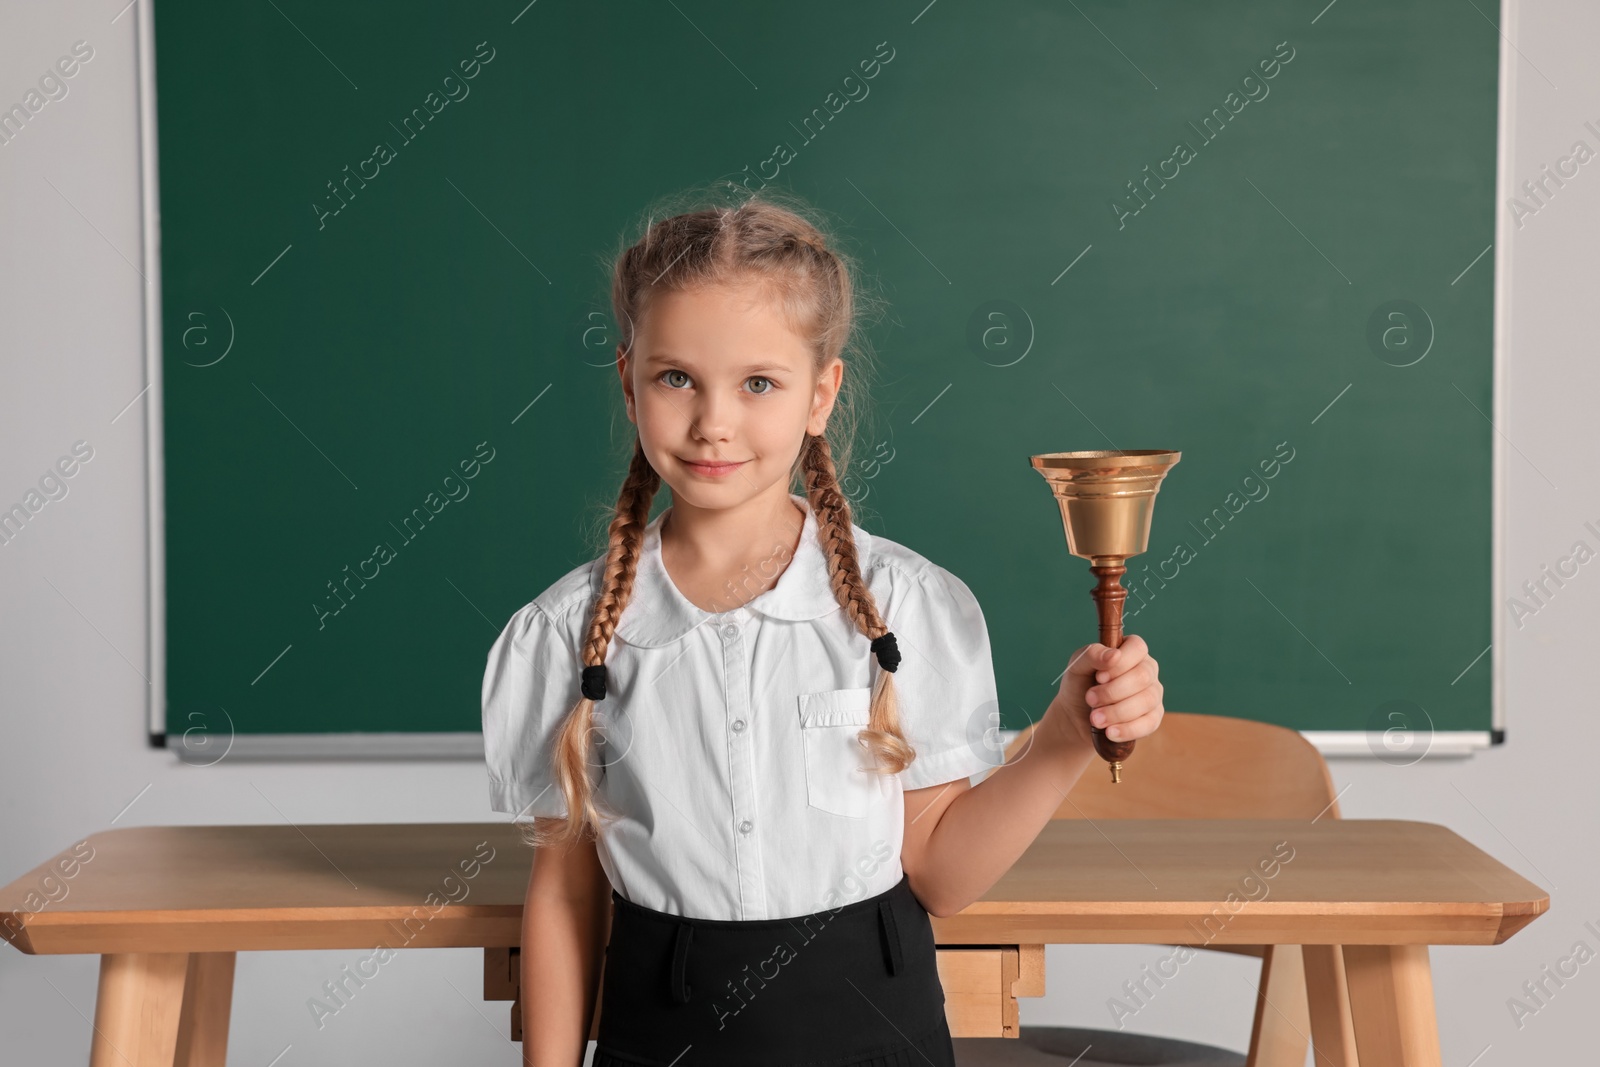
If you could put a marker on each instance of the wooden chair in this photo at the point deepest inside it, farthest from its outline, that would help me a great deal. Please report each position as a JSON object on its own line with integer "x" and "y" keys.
{"x": 1208, "y": 767}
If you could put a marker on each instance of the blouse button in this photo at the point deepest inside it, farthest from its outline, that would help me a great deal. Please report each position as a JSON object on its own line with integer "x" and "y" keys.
{"x": 744, "y": 827}
{"x": 738, "y": 726}
{"x": 730, "y": 630}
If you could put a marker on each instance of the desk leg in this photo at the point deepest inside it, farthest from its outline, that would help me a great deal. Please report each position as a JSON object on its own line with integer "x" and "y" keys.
{"x": 207, "y": 1005}
{"x": 1333, "y": 1035}
{"x": 137, "y": 1009}
{"x": 1278, "y": 1037}
{"x": 162, "y": 1009}
{"x": 1391, "y": 1002}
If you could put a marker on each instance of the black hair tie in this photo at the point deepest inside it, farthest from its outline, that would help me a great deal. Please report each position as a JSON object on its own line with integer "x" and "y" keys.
{"x": 887, "y": 651}
{"x": 594, "y": 682}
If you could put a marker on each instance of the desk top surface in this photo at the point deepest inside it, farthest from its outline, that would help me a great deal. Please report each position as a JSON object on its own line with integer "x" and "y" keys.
{"x": 238, "y": 888}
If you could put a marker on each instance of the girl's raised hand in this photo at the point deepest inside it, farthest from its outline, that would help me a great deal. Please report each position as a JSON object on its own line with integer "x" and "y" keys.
{"x": 1116, "y": 689}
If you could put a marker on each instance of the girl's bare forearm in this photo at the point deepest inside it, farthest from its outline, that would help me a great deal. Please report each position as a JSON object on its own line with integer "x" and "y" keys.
{"x": 989, "y": 826}
{"x": 561, "y": 946}
{"x": 565, "y": 919}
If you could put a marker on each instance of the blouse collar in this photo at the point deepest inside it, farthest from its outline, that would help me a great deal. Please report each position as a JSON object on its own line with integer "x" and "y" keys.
{"x": 658, "y": 614}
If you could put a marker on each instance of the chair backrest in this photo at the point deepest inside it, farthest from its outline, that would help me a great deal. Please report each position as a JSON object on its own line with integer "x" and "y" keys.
{"x": 1205, "y": 767}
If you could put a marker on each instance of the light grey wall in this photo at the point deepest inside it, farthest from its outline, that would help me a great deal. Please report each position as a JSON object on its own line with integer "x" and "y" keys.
{"x": 73, "y": 637}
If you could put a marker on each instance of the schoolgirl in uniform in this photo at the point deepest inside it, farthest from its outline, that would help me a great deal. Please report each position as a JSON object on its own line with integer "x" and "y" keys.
{"x": 751, "y": 720}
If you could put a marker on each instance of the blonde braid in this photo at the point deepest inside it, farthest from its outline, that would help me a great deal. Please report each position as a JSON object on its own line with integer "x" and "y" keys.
{"x": 571, "y": 756}
{"x": 892, "y": 752}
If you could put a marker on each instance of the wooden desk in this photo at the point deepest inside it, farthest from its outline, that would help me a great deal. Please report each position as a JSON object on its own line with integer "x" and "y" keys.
{"x": 167, "y": 907}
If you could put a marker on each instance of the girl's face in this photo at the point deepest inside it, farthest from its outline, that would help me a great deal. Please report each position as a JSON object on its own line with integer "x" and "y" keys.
{"x": 717, "y": 377}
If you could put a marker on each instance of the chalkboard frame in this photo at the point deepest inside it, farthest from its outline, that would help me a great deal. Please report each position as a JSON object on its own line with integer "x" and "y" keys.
{"x": 179, "y": 736}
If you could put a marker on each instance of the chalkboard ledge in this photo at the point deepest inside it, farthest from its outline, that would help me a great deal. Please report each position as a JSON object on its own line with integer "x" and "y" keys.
{"x": 1359, "y": 744}
{"x": 351, "y": 746}
{"x": 1333, "y": 744}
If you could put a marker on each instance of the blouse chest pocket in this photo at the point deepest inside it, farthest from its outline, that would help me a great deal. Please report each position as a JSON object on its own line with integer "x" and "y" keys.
{"x": 839, "y": 775}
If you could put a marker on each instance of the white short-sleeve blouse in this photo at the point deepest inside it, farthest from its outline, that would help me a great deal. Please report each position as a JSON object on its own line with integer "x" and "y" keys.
{"x": 729, "y": 738}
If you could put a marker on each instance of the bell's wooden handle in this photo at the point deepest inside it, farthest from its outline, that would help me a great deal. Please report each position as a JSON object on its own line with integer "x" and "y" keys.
{"x": 1109, "y": 596}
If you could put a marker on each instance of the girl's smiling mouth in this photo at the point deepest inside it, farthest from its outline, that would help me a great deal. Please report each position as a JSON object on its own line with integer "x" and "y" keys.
{"x": 716, "y": 469}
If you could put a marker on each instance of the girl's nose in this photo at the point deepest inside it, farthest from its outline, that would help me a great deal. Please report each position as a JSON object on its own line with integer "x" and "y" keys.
{"x": 713, "y": 417}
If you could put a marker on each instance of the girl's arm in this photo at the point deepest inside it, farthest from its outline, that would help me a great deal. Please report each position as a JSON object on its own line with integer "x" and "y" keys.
{"x": 564, "y": 921}
{"x": 960, "y": 838}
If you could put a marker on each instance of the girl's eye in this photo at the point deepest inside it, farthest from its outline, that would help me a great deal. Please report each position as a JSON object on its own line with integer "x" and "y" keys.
{"x": 667, "y": 374}
{"x": 762, "y": 391}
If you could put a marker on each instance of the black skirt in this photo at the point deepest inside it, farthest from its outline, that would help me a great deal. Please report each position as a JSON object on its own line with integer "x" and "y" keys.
{"x": 853, "y": 986}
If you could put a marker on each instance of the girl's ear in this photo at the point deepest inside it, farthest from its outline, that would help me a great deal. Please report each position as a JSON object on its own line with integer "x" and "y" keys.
{"x": 826, "y": 393}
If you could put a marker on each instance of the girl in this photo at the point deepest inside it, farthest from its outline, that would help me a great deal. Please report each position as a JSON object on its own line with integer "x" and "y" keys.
{"x": 776, "y": 713}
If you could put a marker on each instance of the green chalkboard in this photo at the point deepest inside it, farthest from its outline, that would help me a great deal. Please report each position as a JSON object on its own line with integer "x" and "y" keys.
{"x": 1248, "y": 231}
